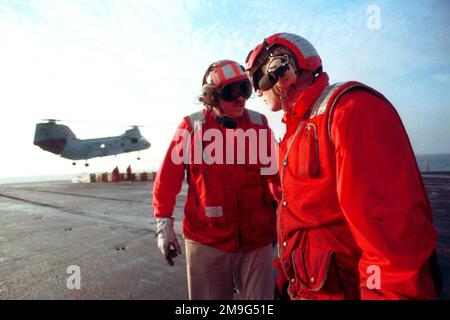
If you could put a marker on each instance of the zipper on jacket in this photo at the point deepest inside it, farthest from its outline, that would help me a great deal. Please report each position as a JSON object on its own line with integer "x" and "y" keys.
{"x": 283, "y": 193}
{"x": 236, "y": 203}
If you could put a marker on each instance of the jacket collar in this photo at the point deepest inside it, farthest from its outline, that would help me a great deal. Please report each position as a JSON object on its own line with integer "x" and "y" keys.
{"x": 307, "y": 98}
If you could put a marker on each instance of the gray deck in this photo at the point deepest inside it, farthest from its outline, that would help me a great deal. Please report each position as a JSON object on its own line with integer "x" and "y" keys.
{"x": 108, "y": 231}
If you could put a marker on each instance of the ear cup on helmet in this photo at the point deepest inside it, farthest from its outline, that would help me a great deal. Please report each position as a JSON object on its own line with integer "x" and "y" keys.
{"x": 208, "y": 96}
{"x": 288, "y": 77}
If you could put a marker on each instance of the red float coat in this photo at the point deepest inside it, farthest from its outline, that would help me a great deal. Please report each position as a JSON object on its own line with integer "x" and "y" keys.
{"x": 229, "y": 206}
{"x": 353, "y": 199}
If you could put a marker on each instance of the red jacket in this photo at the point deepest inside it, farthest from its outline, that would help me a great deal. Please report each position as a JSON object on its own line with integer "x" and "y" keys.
{"x": 228, "y": 206}
{"x": 353, "y": 200}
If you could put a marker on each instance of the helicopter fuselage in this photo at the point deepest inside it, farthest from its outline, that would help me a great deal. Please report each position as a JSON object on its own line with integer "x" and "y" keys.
{"x": 59, "y": 139}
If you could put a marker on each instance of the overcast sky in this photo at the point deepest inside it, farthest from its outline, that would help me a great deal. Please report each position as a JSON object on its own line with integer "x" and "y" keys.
{"x": 102, "y": 63}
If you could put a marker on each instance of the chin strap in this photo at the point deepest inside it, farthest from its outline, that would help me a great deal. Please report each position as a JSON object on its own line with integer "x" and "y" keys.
{"x": 226, "y": 122}
{"x": 222, "y": 120}
{"x": 282, "y": 96}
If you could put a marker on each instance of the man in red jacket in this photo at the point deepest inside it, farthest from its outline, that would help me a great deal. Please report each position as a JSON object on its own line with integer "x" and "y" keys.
{"x": 229, "y": 221}
{"x": 354, "y": 221}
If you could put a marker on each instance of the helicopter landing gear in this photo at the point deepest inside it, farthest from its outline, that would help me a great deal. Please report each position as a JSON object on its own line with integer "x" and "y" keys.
{"x": 139, "y": 156}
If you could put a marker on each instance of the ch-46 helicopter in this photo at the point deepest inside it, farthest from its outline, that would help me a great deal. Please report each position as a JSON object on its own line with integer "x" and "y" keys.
{"x": 59, "y": 139}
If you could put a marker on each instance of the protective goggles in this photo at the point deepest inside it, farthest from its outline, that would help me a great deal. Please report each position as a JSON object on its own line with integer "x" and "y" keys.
{"x": 232, "y": 91}
{"x": 256, "y": 78}
{"x": 276, "y": 66}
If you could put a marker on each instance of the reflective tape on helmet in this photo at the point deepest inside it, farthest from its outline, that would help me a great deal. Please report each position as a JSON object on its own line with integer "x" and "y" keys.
{"x": 226, "y": 73}
{"x": 214, "y": 78}
{"x": 302, "y": 44}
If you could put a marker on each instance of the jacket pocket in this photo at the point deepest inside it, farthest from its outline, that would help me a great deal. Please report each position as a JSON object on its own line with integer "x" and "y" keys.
{"x": 311, "y": 266}
{"x": 309, "y": 164}
{"x": 210, "y": 187}
{"x": 316, "y": 274}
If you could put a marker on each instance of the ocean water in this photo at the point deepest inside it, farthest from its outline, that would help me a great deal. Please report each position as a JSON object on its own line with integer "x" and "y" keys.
{"x": 39, "y": 178}
{"x": 426, "y": 163}
{"x": 433, "y": 162}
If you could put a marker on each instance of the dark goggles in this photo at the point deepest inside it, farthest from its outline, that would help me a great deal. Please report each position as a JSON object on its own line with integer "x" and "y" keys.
{"x": 266, "y": 82}
{"x": 254, "y": 63}
{"x": 256, "y": 78}
{"x": 232, "y": 91}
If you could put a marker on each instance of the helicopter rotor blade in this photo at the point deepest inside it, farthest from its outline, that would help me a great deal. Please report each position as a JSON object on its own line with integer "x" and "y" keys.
{"x": 110, "y": 123}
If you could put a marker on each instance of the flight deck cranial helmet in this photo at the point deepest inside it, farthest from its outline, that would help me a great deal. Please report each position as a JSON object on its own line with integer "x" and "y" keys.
{"x": 278, "y": 67}
{"x": 225, "y": 79}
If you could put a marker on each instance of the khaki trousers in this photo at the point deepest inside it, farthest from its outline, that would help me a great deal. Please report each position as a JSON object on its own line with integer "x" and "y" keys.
{"x": 214, "y": 274}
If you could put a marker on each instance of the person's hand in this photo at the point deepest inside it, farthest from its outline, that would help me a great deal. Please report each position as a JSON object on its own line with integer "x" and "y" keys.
{"x": 167, "y": 239}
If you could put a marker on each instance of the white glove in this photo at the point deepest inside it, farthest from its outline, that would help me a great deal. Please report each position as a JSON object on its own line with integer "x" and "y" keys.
{"x": 167, "y": 239}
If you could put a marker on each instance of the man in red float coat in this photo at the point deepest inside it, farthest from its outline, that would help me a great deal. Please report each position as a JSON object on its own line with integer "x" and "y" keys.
{"x": 130, "y": 176}
{"x": 229, "y": 221}
{"x": 354, "y": 221}
{"x": 116, "y": 175}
